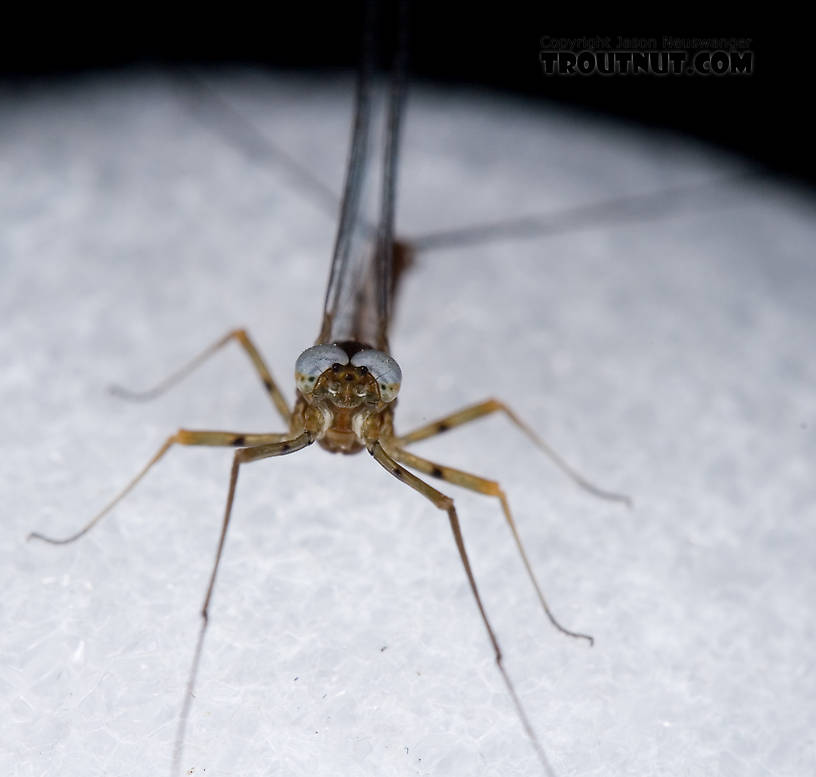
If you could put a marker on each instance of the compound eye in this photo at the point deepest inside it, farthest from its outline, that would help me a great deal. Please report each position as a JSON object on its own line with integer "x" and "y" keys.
{"x": 384, "y": 370}
{"x": 313, "y": 362}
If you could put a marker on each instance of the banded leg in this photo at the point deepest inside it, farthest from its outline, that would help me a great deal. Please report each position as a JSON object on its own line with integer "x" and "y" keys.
{"x": 242, "y": 338}
{"x": 278, "y": 447}
{"x": 489, "y": 488}
{"x": 445, "y": 503}
{"x": 181, "y": 437}
{"x": 489, "y": 406}
{"x": 265, "y": 450}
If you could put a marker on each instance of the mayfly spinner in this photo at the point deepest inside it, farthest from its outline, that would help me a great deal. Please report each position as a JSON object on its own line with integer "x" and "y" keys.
{"x": 348, "y": 383}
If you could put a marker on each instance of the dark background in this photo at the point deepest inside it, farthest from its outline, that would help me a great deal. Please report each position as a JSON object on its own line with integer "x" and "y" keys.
{"x": 761, "y": 116}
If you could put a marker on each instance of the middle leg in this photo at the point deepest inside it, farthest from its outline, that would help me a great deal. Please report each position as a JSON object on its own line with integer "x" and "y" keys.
{"x": 489, "y": 488}
{"x": 181, "y": 437}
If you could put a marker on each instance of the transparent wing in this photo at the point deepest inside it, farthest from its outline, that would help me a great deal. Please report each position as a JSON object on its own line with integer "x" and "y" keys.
{"x": 360, "y": 288}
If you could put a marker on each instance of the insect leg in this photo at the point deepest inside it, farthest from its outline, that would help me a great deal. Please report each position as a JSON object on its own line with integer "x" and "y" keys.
{"x": 243, "y": 339}
{"x": 445, "y": 503}
{"x": 471, "y": 413}
{"x": 181, "y": 437}
{"x": 278, "y": 447}
{"x": 489, "y": 488}
{"x": 282, "y": 445}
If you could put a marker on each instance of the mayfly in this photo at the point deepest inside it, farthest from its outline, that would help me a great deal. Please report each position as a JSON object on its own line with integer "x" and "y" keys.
{"x": 347, "y": 383}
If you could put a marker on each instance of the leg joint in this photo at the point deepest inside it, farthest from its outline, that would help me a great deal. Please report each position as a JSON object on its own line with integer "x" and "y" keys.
{"x": 445, "y": 503}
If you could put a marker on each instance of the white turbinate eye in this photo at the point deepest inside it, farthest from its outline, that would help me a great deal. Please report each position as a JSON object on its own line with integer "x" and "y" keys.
{"x": 385, "y": 370}
{"x": 313, "y": 362}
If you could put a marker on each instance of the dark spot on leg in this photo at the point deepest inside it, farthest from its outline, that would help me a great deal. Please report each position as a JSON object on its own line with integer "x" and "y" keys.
{"x": 437, "y": 473}
{"x": 397, "y": 472}
{"x": 267, "y": 384}
{"x": 285, "y": 447}
{"x": 443, "y": 427}
{"x": 239, "y": 440}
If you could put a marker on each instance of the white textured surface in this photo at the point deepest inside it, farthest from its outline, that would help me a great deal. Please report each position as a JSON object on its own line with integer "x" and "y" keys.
{"x": 673, "y": 359}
